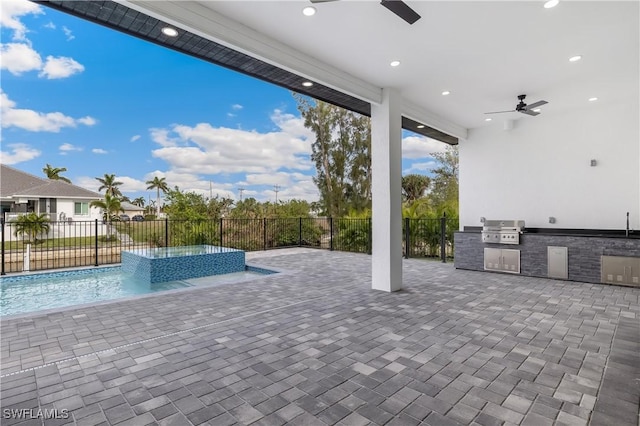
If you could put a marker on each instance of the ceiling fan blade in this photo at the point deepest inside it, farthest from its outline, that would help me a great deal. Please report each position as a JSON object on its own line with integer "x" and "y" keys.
{"x": 401, "y": 9}
{"x": 536, "y": 104}
{"x": 500, "y": 112}
{"x": 321, "y": 1}
{"x": 529, "y": 112}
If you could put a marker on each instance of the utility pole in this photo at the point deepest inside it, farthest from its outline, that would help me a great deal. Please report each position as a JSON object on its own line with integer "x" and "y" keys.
{"x": 240, "y": 191}
{"x": 210, "y": 190}
{"x": 276, "y": 189}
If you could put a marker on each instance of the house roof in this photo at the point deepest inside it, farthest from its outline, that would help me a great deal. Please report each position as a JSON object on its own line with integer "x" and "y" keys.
{"x": 16, "y": 183}
{"x": 129, "y": 206}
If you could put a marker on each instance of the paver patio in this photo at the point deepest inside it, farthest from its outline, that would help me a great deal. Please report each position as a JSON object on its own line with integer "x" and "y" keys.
{"x": 315, "y": 345}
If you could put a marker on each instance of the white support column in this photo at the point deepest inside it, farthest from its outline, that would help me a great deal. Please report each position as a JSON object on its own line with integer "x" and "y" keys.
{"x": 386, "y": 180}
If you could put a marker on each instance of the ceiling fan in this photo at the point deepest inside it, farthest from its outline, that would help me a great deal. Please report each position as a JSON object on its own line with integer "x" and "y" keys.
{"x": 522, "y": 107}
{"x": 398, "y": 7}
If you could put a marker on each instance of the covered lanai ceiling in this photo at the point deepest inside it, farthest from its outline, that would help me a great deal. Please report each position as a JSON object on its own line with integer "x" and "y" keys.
{"x": 483, "y": 53}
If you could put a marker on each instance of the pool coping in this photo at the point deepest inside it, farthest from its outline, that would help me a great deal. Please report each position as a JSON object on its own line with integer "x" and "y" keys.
{"x": 190, "y": 287}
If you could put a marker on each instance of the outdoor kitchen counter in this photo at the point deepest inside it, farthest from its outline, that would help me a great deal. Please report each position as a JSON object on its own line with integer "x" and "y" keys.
{"x": 584, "y": 252}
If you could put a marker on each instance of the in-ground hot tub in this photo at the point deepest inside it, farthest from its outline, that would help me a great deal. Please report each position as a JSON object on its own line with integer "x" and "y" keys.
{"x": 156, "y": 265}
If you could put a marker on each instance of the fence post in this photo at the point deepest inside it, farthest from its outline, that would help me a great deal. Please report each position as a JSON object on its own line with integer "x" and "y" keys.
{"x": 407, "y": 237}
{"x": 2, "y": 272}
{"x": 300, "y": 231}
{"x": 166, "y": 232}
{"x": 331, "y": 233}
{"x": 443, "y": 238}
{"x": 221, "y": 232}
{"x": 95, "y": 240}
{"x": 264, "y": 233}
{"x": 369, "y": 236}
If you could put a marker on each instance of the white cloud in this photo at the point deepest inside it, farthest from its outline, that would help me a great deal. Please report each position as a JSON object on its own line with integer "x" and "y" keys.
{"x": 279, "y": 178}
{"x": 50, "y": 26}
{"x": 19, "y": 57}
{"x": 19, "y": 152}
{"x": 129, "y": 184}
{"x": 12, "y": 10}
{"x": 135, "y": 138}
{"x": 292, "y": 185}
{"x": 87, "y": 121}
{"x": 230, "y": 115}
{"x": 420, "y": 168}
{"x": 236, "y": 107}
{"x": 35, "y": 121}
{"x": 162, "y": 138}
{"x": 68, "y": 33}
{"x": 60, "y": 67}
{"x": 204, "y": 149}
{"x": 99, "y": 151}
{"x": 67, "y": 147}
{"x": 421, "y": 147}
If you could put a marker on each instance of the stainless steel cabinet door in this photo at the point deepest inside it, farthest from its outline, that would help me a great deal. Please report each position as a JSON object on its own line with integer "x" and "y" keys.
{"x": 492, "y": 258}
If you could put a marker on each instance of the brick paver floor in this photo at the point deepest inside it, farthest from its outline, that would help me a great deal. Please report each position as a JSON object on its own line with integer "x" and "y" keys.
{"x": 315, "y": 345}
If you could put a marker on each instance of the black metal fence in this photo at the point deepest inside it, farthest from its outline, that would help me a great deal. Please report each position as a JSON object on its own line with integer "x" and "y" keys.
{"x": 93, "y": 243}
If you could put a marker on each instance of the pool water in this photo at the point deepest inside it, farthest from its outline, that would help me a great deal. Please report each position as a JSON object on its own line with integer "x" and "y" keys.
{"x": 36, "y": 292}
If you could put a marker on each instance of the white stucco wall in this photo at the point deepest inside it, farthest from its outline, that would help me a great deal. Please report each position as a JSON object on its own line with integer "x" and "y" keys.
{"x": 541, "y": 168}
{"x": 68, "y": 207}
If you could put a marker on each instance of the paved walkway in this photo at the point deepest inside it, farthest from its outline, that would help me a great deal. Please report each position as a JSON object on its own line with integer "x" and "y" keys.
{"x": 315, "y": 345}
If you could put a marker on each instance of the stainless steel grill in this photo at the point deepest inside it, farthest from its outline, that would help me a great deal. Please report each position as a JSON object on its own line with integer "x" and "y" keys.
{"x": 502, "y": 231}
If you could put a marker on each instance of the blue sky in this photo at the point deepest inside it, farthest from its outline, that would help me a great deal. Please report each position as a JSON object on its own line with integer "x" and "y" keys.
{"x": 93, "y": 100}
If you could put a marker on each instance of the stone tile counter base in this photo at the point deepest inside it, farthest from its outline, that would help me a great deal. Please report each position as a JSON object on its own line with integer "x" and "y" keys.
{"x": 584, "y": 252}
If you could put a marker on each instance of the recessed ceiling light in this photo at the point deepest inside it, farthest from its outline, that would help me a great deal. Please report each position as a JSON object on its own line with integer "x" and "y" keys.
{"x": 309, "y": 11}
{"x": 168, "y": 31}
{"x": 307, "y": 83}
{"x": 488, "y": 119}
{"x": 537, "y": 110}
{"x": 446, "y": 92}
{"x": 575, "y": 58}
{"x": 394, "y": 63}
{"x": 551, "y": 3}
{"x": 420, "y": 126}
{"x": 593, "y": 99}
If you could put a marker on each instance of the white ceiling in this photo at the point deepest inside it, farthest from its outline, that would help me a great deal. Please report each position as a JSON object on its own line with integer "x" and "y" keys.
{"x": 485, "y": 53}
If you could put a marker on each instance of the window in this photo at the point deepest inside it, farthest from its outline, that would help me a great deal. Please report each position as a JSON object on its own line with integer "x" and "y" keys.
{"x": 81, "y": 208}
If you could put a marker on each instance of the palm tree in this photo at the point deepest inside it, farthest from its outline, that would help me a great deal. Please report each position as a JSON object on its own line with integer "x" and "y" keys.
{"x": 414, "y": 186}
{"x": 159, "y": 184}
{"x": 138, "y": 201}
{"x": 53, "y": 173}
{"x": 110, "y": 206}
{"x": 31, "y": 225}
{"x": 110, "y": 184}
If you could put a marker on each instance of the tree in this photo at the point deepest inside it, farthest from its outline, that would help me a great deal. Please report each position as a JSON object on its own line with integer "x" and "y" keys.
{"x": 31, "y": 225}
{"x": 138, "y": 201}
{"x": 159, "y": 184}
{"x": 109, "y": 183}
{"x": 342, "y": 155}
{"x": 53, "y": 173}
{"x": 249, "y": 208}
{"x": 110, "y": 206}
{"x": 414, "y": 186}
{"x": 181, "y": 205}
{"x": 444, "y": 191}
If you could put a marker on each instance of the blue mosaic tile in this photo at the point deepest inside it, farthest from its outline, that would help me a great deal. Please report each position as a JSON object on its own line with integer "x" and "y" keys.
{"x": 26, "y": 277}
{"x": 181, "y": 263}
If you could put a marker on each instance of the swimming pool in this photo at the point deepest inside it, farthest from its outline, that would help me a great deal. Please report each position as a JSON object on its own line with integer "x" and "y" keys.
{"x": 36, "y": 292}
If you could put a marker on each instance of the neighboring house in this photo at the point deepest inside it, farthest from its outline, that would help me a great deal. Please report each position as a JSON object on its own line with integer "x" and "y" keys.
{"x": 131, "y": 209}
{"x": 22, "y": 192}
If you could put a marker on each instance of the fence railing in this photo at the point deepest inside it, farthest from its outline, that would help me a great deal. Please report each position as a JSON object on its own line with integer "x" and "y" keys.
{"x": 93, "y": 243}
